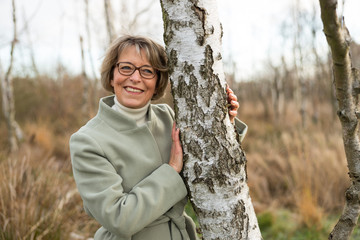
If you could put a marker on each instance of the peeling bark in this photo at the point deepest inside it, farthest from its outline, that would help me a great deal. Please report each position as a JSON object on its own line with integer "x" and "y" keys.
{"x": 215, "y": 165}
{"x": 346, "y": 80}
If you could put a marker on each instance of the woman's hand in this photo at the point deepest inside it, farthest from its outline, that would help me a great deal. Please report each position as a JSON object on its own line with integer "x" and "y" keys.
{"x": 176, "y": 155}
{"x": 233, "y": 104}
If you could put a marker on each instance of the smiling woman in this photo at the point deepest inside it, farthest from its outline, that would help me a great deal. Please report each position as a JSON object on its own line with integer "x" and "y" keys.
{"x": 127, "y": 159}
{"x": 120, "y": 186}
{"x": 130, "y": 89}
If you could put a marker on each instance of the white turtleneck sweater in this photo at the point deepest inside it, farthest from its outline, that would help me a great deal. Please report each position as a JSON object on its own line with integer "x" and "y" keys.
{"x": 137, "y": 114}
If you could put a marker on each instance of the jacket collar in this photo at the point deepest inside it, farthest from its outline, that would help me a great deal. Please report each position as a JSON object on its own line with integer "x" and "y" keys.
{"x": 118, "y": 121}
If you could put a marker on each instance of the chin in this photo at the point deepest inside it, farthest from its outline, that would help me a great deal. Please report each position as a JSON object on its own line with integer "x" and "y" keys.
{"x": 134, "y": 105}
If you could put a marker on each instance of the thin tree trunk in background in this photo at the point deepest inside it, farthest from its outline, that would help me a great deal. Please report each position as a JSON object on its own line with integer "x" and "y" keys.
{"x": 215, "y": 165}
{"x": 346, "y": 80}
{"x": 8, "y": 101}
{"x": 94, "y": 86}
{"x": 108, "y": 16}
{"x": 85, "y": 83}
{"x": 32, "y": 54}
{"x": 320, "y": 72}
{"x": 263, "y": 97}
{"x": 142, "y": 11}
{"x": 285, "y": 77}
{"x": 300, "y": 81}
{"x": 277, "y": 93}
{"x": 88, "y": 35}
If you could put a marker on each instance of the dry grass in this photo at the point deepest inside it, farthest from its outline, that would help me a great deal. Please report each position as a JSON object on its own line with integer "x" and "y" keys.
{"x": 294, "y": 168}
{"x": 289, "y": 167}
{"x": 38, "y": 197}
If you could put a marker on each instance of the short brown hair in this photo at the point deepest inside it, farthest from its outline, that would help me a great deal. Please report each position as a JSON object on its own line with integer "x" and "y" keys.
{"x": 155, "y": 53}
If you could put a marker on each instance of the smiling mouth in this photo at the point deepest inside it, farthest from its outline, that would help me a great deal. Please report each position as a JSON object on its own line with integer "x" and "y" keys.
{"x": 134, "y": 90}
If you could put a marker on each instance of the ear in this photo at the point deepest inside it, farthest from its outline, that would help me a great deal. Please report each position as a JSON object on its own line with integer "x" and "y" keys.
{"x": 112, "y": 82}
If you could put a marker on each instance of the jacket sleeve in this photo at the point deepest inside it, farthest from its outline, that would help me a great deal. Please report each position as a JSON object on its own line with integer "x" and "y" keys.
{"x": 241, "y": 129}
{"x": 104, "y": 198}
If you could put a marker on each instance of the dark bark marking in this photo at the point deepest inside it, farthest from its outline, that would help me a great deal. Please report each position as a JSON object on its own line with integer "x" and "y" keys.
{"x": 242, "y": 220}
{"x": 200, "y": 13}
{"x": 173, "y": 60}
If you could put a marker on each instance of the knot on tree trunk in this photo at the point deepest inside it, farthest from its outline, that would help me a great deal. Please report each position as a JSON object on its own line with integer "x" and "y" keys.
{"x": 355, "y": 177}
{"x": 343, "y": 116}
{"x": 352, "y": 196}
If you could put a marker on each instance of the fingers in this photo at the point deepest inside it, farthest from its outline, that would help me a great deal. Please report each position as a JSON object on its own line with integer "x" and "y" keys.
{"x": 228, "y": 90}
{"x": 175, "y": 133}
{"x": 233, "y": 114}
{"x": 233, "y": 104}
{"x": 230, "y": 94}
{"x": 176, "y": 155}
{"x": 232, "y": 97}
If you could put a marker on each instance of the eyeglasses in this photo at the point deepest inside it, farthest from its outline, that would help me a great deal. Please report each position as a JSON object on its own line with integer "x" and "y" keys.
{"x": 127, "y": 69}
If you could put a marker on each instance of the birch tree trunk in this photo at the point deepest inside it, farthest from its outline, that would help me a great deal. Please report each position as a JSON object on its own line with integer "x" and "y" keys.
{"x": 8, "y": 102}
{"x": 346, "y": 80}
{"x": 109, "y": 20}
{"x": 215, "y": 165}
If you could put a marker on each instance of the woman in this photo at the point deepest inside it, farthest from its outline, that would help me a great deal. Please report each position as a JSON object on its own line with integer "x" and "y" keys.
{"x": 126, "y": 160}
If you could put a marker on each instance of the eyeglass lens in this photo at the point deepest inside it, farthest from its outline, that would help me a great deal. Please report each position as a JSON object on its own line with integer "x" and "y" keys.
{"x": 128, "y": 69}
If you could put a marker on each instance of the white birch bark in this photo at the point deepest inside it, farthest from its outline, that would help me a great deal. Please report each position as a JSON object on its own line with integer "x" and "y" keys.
{"x": 8, "y": 103}
{"x": 215, "y": 165}
{"x": 347, "y": 86}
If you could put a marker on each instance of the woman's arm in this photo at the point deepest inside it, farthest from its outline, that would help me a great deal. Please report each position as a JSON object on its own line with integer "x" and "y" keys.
{"x": 104, "y": 198}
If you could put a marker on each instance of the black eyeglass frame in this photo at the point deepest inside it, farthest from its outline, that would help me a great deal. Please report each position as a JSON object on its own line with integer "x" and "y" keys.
{"x": 136, "y": 68}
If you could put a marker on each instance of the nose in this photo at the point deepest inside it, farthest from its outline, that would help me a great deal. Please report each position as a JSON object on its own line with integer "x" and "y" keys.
{"x": 136, "y": 77}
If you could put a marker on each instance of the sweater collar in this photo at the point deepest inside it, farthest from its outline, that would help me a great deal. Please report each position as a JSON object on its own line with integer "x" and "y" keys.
{"x": 137, "y": 114}
{"x": 117, "y": 120}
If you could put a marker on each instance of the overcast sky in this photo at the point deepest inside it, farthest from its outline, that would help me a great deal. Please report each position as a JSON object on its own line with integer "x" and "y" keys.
{"x": 252, "y": 30}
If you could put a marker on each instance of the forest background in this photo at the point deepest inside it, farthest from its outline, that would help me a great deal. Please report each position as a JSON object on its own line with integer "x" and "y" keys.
{"x": 282, "y": 75}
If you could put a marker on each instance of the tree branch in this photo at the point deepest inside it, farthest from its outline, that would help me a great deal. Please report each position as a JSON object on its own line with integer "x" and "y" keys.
{"x": 338, "y": 38}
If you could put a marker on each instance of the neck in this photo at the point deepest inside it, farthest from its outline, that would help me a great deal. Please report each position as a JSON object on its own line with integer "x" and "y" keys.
{"x": 137, "y": 114}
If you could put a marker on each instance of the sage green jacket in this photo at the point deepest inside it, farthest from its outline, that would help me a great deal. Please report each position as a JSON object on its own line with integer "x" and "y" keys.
{"x": 124, "y": 180}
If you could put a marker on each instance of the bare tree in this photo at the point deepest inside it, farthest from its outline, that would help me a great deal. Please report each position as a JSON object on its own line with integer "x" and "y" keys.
{"x": 300, "y": 81}
{"x": 30, "y": 45}
{"x": 277, "y": 90}
{"x": 215, "y": 165}
{"x": 88, "y": 35}
{"x": 85, "y": 83}
{"x": 347, "y": 85}
{"x": 93, "y": 86}
{"x": 109, "y": 20}
{"x": 133, "y": 24}
{"x": 14, "y": 132}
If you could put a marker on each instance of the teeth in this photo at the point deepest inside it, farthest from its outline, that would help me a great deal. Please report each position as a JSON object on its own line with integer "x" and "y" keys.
{"x": 132, "y": 90}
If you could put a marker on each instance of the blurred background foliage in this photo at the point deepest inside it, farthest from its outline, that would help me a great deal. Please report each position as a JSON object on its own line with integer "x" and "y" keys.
{"x": 297, "y": 171}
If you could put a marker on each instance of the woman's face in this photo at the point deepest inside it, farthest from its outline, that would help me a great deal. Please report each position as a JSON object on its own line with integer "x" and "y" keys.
{"x": 133, "y": 91}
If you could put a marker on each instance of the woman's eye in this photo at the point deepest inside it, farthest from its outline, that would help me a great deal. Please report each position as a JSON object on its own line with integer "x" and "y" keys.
{"x": 125, "y": 67}
{"x": 148, "y": 71}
